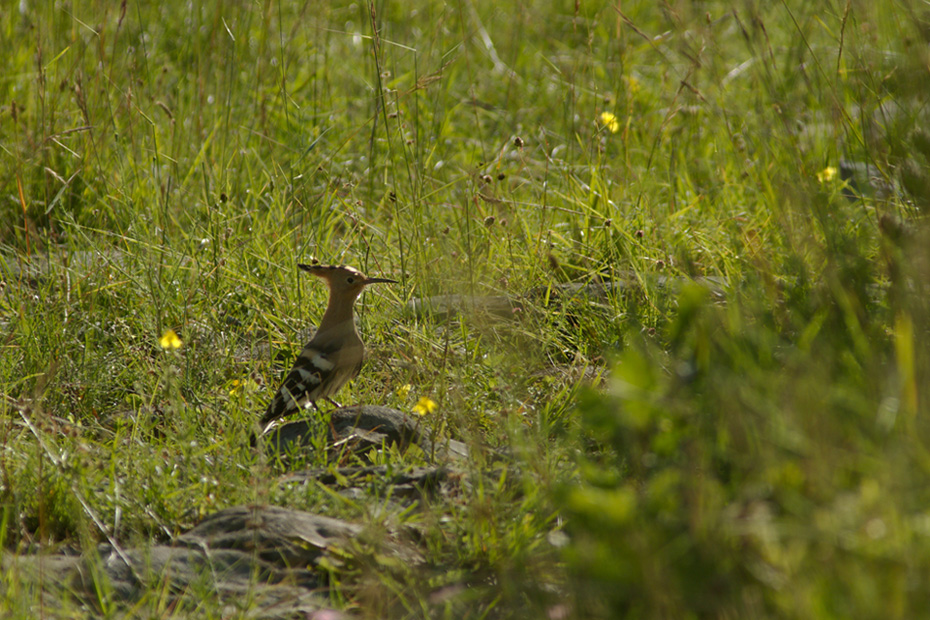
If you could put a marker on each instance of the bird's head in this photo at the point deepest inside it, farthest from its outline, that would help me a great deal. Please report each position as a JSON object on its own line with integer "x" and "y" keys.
{"x": 343, "y": 280}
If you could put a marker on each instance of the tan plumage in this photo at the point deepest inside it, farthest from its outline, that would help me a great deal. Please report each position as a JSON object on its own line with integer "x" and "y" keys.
{"x": 334, "y": 355}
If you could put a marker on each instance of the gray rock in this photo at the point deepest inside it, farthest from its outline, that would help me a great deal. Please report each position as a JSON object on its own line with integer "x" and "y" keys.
{"x": 257, "y": 560}
{"x": 504, "y": 306}
{"x": 238, "y": 581}
{"x": 279, "y": 536}
{"x": 410, "y": 484}
{"x": 450, "y": 305}
{"x": 360, "y": 428}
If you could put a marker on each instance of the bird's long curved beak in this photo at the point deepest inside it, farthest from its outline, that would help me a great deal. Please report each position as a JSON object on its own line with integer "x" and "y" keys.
{"x": 377, "y": 280}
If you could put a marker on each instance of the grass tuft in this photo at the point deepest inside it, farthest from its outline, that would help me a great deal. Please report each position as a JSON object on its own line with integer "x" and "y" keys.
{"x": 706, "y": 398}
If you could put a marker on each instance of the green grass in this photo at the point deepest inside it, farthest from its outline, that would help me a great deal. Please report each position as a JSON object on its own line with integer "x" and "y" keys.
{"x": 166, "y": 165}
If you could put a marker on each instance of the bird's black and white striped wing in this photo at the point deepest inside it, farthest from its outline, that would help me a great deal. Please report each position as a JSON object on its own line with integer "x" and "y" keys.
{"x": 317, "y": 373}
{"x": 302, "y": 385}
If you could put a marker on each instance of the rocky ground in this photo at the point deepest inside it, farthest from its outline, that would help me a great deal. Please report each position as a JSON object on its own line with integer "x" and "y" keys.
{"x": 260, "y": 561}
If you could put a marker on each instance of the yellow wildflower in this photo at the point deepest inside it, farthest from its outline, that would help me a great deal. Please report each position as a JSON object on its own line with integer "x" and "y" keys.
{"x": 424, "y": 406}
{"x": 169, "y": 340}
{"x": 632, "y": 83}
{"x": 609, "y": 120}
{"x": 237, "y": 386}
{"x": 826, "y": 175}
{"x": 403, "y": 390}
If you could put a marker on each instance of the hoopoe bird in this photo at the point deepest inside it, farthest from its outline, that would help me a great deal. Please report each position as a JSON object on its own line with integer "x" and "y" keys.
{"x": 334, "y": 355}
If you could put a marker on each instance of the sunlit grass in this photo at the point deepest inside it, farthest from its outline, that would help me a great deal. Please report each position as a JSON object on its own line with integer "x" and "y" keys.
{"x": 751, "y": 445}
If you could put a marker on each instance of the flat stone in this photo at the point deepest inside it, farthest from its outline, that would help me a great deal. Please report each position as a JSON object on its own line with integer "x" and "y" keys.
{"x": 280, "y": 536}
{"x": 509, "y": 306}
{"x": 410, "y": 484}
{"x": 360, "y": 428}
{"x": 241, "y": 583}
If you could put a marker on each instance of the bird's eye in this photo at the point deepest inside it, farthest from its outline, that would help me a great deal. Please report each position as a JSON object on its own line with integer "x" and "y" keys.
{"x": 350, "y": 280}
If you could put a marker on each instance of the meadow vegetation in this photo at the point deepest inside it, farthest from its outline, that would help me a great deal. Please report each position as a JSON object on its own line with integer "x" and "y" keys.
{"x": 730, "y": 425}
